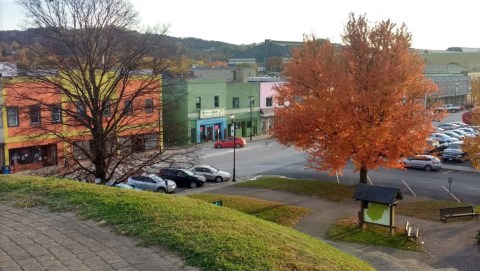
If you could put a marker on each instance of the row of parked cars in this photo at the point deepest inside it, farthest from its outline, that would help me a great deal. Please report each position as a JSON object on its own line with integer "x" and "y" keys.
{"x": 446, "y": 143}
{"x": 167, "y": 179}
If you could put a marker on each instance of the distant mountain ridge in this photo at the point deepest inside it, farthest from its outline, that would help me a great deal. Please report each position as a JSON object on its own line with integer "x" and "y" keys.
{"x": 193, "y": 48}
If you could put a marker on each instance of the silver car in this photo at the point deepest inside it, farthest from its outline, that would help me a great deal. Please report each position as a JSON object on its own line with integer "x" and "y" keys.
{"x": 211, "y": 173}
{"x": 426, "y": 162}
{"x": 152, "y": 182}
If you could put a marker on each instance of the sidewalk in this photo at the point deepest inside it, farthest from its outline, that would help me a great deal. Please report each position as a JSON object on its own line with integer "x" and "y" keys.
{"x": 34, "y": 239}
{"x": 449, "y": 246}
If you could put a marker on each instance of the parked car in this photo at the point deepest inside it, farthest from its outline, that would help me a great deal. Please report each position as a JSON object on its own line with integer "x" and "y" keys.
{"x": 183, "y": 177}
{"x": 464, "y": 133}
{"x": 448, "y": 126}
{"x": 469, "y": 130}
{"x": 451, "y": 133}
{"x": 152, "y": 182}
{"x": 442, "y": 138}
{"x": 123, "y": 186}
{"x": 240, "y": 142}
{"x": 427, "y": 162}
{"x": 454, "y": 152}
{"x": 211, "y": 173}
{"x": 448, "y": 107}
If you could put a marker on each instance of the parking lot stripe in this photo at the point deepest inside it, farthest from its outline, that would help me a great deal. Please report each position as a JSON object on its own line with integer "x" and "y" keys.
{"x": 451, "y": 194}
{"x": 409, "y": 188}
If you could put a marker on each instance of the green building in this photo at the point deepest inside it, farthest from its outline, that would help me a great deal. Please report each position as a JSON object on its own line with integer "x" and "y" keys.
{"x": 199, "y": 110}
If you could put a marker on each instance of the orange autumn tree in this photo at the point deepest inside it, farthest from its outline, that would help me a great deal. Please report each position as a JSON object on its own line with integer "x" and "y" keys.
{"x": 472, "y": 145}
{"x": 363, "y": 101}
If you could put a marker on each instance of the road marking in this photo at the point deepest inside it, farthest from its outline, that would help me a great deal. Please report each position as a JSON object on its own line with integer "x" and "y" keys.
{"x": 473, "y": 188}
{"x": 409, "y": 188}
{"x": 368, "y": 178}
{"x": 451, "y": 194}
{"x": 255, "y": 178}
{"x": 446, "y": 172}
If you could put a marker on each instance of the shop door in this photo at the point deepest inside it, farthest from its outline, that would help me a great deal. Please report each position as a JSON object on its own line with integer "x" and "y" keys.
{"x": 210, "y": 132}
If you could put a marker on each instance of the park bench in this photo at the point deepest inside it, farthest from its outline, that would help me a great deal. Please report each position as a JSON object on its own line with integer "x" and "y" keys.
{"x": 456, "y": 212}
{"x": 411, "y": 231}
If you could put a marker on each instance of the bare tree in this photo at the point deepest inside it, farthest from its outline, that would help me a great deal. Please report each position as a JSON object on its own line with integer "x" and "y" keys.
{"x": 100, "y": 78}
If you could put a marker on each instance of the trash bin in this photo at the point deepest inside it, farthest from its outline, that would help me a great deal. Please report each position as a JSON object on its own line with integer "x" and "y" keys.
{"x": 6, "y": 169}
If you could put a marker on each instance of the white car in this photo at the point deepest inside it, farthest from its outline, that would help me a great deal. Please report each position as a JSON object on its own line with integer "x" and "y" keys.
{"x": 464, "y": 133}
{"x": 451, "y": 133}
{"x": 427, "y": 162}
{"x": 442, "y": 138}
{"x": 469, "y": 130}
{"x": 211, "y": 173}
{"x": 152, "y": 182}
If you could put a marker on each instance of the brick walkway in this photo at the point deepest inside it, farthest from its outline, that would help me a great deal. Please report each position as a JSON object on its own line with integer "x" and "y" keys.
{"x": 35, "y": 239}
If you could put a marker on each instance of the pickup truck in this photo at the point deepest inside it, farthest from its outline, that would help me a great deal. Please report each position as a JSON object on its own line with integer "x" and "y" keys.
{"x": 448, "y": 107}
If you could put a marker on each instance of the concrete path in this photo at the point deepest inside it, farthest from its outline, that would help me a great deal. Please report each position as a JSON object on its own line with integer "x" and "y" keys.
{"x": 449, "y": 246}
{"x": 34, "y": 239}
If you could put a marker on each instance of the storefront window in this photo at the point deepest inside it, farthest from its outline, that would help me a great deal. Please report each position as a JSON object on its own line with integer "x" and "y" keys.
{"x": 26, "y": 155}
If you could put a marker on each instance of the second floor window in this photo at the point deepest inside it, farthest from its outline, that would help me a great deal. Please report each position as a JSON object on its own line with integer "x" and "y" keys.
{"x": 217, "y": 101}
{"x": 269, "y": 102}
{"x": 198, "y": 102}
{"x": 56, "y": 113}
{"x": 12, "y": 116}
{"x": 81, "y": 113}
{"x": 35, "y": 117}
{"x": 236, "y": 102}
{"x": 128, "y": 108}
{"x": 106, "y": 109}
{"x": 149, "y": 106}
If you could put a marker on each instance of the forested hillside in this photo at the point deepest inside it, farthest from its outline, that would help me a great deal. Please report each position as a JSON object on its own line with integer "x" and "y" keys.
{"x": 14, "y": 46}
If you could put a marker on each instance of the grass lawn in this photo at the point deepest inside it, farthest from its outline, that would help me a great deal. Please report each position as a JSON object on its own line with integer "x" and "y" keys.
{"x": 282, "y": 214}
{"x": 347, "y": 230}
{"x": 207, "y": 236}
{"x": 428, "y": 209}
{"x": 313, "y": 188}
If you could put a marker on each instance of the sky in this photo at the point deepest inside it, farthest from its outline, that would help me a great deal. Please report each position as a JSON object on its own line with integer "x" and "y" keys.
{"x": 434, "y": 24}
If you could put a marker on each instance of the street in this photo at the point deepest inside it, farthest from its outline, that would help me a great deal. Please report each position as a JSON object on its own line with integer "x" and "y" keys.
{"x": 269, "y": 158}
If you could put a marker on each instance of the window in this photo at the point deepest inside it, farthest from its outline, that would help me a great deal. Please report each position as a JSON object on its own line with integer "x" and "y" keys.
{"x": 149, "y": 106}
{"x": 128, "y": 110}
{"x": 236, "y": 102}
{"x": 56, "y": 113}
{"x": 81, "y": 113}
{"x": 12, "y": 116}
{"x": 217, "y": 101}
{"x": 198, "y": 102}
{"x": 106, "y": 109}
{"x": 269, "y": 101}
{"x": 35, "y": 117}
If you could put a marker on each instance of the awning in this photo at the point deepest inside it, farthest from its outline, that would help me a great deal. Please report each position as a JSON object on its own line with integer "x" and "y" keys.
{"x": 267, "y": 112}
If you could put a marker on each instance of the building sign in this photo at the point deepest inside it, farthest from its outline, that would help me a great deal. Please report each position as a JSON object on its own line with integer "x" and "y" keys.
{"x": 212, "y": 113}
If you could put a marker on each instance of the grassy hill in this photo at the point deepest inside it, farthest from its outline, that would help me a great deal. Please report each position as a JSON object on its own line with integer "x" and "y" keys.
{"x": 208, "y": 236}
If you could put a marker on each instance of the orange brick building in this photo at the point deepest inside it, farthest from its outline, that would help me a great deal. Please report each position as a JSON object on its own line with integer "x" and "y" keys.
{"x": 32, "y": 129}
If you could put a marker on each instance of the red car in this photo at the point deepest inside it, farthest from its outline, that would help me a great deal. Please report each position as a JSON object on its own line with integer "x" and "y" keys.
{"x": 228, "y": 143}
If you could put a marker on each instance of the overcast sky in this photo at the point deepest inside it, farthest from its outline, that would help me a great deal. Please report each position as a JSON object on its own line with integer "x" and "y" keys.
{"x": 434, "y": 24}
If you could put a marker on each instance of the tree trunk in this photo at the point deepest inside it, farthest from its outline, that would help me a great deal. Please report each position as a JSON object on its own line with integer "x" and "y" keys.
{"x": 98, "y": 150}
{"x": 363, "y": 175}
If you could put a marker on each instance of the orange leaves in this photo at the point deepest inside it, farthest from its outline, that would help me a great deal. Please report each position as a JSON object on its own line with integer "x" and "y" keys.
{"x": 363, "y": 101}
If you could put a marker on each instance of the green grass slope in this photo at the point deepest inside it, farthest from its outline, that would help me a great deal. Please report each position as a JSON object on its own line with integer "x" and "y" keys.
{"x": 208, "y": 236}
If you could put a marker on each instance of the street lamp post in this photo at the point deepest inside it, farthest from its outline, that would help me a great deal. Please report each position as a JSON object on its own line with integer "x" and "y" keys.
{"x": 251, "y": 116}
{"x": 233, "y": 127}
{"x": 455, "y": 97}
